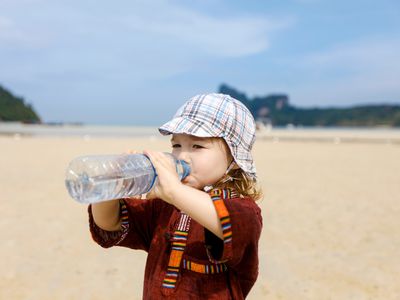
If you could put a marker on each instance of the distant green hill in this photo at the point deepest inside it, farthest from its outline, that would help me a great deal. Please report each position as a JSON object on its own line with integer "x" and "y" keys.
{"x": 275, "y": 109}
{"x": 14, "y": 108}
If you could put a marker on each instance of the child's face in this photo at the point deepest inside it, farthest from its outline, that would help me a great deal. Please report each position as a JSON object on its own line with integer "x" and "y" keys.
{"x": 208, "y": 158}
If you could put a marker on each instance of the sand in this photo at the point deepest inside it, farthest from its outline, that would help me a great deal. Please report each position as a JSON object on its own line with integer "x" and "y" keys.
{"x": 331, "y": 222}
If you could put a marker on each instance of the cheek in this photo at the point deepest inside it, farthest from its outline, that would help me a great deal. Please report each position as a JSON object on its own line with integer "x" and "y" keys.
{"x": 201, "y": 164}
{"x": 211, "y": 164}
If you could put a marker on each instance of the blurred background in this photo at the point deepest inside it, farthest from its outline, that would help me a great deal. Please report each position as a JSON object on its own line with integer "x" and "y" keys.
{"x": 135, "y": 62}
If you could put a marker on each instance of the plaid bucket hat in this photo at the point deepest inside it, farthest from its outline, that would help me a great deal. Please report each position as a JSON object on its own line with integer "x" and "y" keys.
{"x": 218, "y": 115}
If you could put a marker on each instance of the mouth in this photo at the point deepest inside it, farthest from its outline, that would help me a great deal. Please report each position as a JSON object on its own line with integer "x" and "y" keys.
{"x": 188, "y": 180}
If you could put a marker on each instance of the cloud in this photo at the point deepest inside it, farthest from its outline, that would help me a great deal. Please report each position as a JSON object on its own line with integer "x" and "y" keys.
{"x": 141, "y": 40}
{"x": 366, "y": 70}
{"x": 361, "y": 55}
{"x": 223, "y": 36}
{"x": 220, "y": 36}
{"x": 94, "y": 52}
{"x": 10, "y": 34}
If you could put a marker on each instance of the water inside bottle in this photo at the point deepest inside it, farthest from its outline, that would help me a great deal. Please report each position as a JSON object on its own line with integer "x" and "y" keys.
{"x": 102, "y": 188}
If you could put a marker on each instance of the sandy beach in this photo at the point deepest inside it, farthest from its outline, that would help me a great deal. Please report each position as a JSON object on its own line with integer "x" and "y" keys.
{"x": 331, "y": 222}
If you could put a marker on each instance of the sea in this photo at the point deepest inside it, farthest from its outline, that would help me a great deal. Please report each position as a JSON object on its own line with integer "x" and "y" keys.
{"x": 336, "y": 135}
{"x": 17, "y": 129}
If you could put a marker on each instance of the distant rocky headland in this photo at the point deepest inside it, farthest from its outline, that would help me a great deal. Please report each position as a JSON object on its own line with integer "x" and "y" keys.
{"x": 13, "y": 108}
{"x": 270, "y": 109}
{"x": 277, "y": 111}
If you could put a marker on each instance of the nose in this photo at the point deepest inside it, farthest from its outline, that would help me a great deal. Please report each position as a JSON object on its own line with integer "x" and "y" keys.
{"x": 184, "y": 155}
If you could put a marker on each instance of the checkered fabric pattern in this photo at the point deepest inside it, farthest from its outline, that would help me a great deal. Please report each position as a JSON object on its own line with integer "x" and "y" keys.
{"x": 218, "y": 115}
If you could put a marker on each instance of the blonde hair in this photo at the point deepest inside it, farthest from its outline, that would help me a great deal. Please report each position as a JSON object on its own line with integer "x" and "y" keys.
{"x": 241, "y": 183}
{"x": 238, "y": 179}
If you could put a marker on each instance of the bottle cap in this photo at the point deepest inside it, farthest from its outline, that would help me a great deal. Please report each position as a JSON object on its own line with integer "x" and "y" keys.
{"x": 185, "y": 168}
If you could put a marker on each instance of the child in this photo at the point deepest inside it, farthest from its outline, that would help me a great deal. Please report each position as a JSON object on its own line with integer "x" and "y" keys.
{"x": 201, "y": 234}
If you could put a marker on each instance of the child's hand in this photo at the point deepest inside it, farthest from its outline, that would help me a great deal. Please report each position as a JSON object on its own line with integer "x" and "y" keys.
{"x": 167, "y": 180}
{"x": 127, "y": 152}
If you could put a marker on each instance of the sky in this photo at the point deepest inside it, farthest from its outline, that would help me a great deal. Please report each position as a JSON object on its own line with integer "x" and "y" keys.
{"x": 130, "y": 62}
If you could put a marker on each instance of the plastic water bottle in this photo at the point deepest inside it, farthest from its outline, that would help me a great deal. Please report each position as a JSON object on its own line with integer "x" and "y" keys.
{"x": 98, "y": 178}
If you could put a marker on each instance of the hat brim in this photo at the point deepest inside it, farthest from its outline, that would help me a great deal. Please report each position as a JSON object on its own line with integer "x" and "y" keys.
{"x": 188, "y": 126}
{"x": 182, "y": 125}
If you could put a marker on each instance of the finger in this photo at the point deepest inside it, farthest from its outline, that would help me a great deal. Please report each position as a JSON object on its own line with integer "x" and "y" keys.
{"x": 165, "y": 161}
{"x": 151, "y": 195}
{"x": 150, "y": 155}
{"x": 154, "y": 156}
{"x": 160, "y": 161}
{"x": 130, "y": 152}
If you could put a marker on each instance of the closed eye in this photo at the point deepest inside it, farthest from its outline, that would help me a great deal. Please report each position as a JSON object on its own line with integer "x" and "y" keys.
{"x": 198, "y": 146}
{"x": 176, "y": 145}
